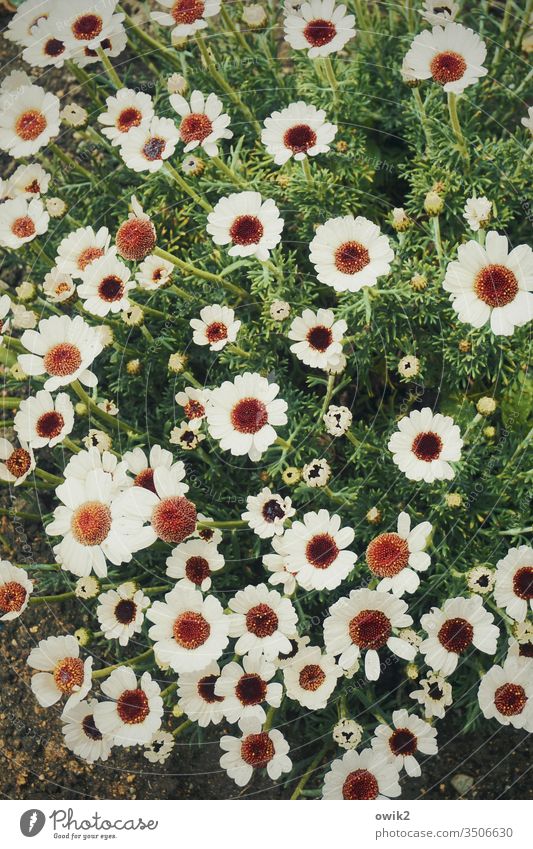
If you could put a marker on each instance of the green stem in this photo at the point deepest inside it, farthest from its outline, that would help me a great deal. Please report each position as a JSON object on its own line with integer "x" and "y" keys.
{"x": 283, "y": 443}
{"x": 421, "y": 109}
{"x": 46, "y": 599}
{"x": 307, "y": 774}
{"x": 236, "y": 349}
{"x": 307, "y": 171}
{"x": 232, "y": 523}
{"x": 154, "y": 43}
{"x": 221, "y": 165}
{"x": 181, "y": 293}
{"x": 182, "y": 727}
{"x": 46, "y": 476}
{"x": 107, "y": 670}
{"x": 114, "y": 421}
{"x": 111, "y": 73}
{"x": 437, "y": 237}
{"x": 456, "y": 126}
{"x": 269, "y": 719}
{"x": 327, "y": 398}
{"x": 168, "y": 690}
{"x": 330, "y": 74}
{"x": 228, "y": 20}
{"x": 68, "y": 443}
{"x": 66, "y": 159}
{"x": 199, "y": 272}
{"x": 9, "y": 403}
{"x": 183, "y": 184}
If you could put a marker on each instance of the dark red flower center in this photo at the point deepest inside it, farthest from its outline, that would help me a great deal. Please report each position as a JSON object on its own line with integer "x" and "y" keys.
{"x": 18, "y": 462}
{"x": 510, "y": 699}
{"x": 145, "y": 479}
{"x": 261, "y": 620}
{"x": 387, "y": 555}
{"x": 360, "y": 784}
{"x": 249, "y": 415}
{"x": 246, "y": 230}
{"x": 12, "y": 596}
{"x": 311, "y": 677}
{"x": 447, "y": 67}
{"x": 320, "y": 32}
{"x": 272, "y": 510}
{"x": 370, "y": 629}
{"x": 89, "y": 728}
{"x": 191, "y": 630}
{"x": 403, "y": 742}
{"x": 496, "y": 285}
{"x": 30, "y": 124}
{"x": 523, "y": 582}
{"x": 23, "y": 227}
{"x": 321, "y": 551}
{"x": 206, "y": 689}
{"x": 187, "y": 11}
{"x": 50, "y": 424}
{"x": 299, "y": 138}
{"x": 53, "y": 47}
{"x": 132, "y": 706}
{"x": 154, "y": 148}
{"x": 91, "y": 523}
{"x": 216, "y": 331}
{"x": 197, "y": 569}
{"x": 257, "y": 749}
{"x": 135, "y": 238}
{"x": 195, "y": 127}
{"x": 128, "y": 118}
{"x": 456, "y": 635}
{"x": 174, "y": 519}
{"x": 251, "y": 689}
{"x": 68, "y": 674}
{"x": 125, "y": 611}
{"x": 87, "y": 27}
{"x": 320, "y": 337}
{"x": 351, "y": 257}
{"x": 427, "y": 446}
{"x": 194, "y": 409}
{"x": 62, "y": 359}
{"x": 89, "y": 255}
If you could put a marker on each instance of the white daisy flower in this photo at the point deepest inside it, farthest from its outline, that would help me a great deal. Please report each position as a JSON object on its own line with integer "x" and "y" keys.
{"x": 451, "y": 56}
{"x": 62, "y": 672}
{"x": 29, "y": 119}
{"x": 320, "y": 27}
{"x": 267, "y": 512}
{"x": 408, "y": 736}
{"x": 318, "y": 338}
{"x": 506, "y": 694}
{"x": 316, "y": 473}
{"x": 80, "y": 248}
{"x": 188, "y": 631}
{"x": 46, "y": 49}
{"x": 197, "y": 698}
{"x": 81, "y": 464}
{"x": 135, "y": 713}
{"x": 242, "y": 415}
{"x": 85, "y": 24}
{"x": 315, "y": 550}
{"x": 21, "y": 221}
{"x": 28, "y": 14}
{"x": 203, "y": 123}
{"x": 477, "y": 212}
{"x": 153, "y": 273}
{"x": 159, "y": 748}
{"x": 82, "y": 735}
{"x": 15, "y": 463}
{"x": 367, "y": 621}
{"x": 480, "y": 580}
{"x": 121, "y": 613}
{"x": 522, "y": 646}
{"x": 361, "y": 775}
{"x": 143, "y": 467}
{"x": 349, "y": 253}
{"x": 310, "y": 677}
{"x": 43, "y": 420}
{"x": 193, "y": 562}
{"x": 397, "y": 557}
{"x": 193, "y": 401}
{"x": 187, "y": 435}
{"x": 105, "y": 286}
{"x": 213, "y": 535}
{"x": 29, "y": 181}
{"x": 62, "y": 348}
{"x": 126, "y": 110}
{"x": 145, "y": 148}
{"x": 15, "y": 591}
{"x": 337, "y": 420}
{"x": 492, "y": 284}
{"x": 435, "y": 695}
{"x": 251, "y": 225}
{"x": 513, "y": 590}
{"x": 112, "y": 45}
{"x": 452, "y": 629}
{"x": 256, "y": 749}
{"x": 262, "y": 621}
{"x": 297, "y": 131}
{"x": 440, "y": 11}
{"x": 425, "y": 444}
{"x": 94, "y": 526}
{"x": 347, "y": 733}
{"x": 171, "y": 517}
{"x": 216, "y": 327}
{"x": 185, "y": 16}
{"x": 282, "y": 575}
{"x": 528, "y": 121}
{"x": 246, "y": 688}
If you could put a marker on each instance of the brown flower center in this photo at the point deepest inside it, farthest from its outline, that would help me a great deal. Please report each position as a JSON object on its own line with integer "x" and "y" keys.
{"x": 33, "y": 188}
{"x": 216, "y": 331}
{"x": 387, "y": 555}
{"x": 312, "y": 677}
{"x": 111, "y": 288}
{"x": 351, "y": 257}
{"x": 62, "y": 359}
{"x": 257, "y": 749}
{"x": 246, "y": 230}
{"x": 427, "y": 446}
{"x": 299, "y": 138}
{"x": 19, "y": 462}
{"x": 153, "y": 148}
{"x": 125, "y": 611}
{"x": 510, "y": 699}
{"x": 91, "y": 523}
{"x": 53, "y": 47}
{"x": 403, "y": 742}
{"x": 195, "y": 127}
{"x": 145, "y": 479}
{"x": 87, "y": 27}
{"x": 50, "y": 424}
{"x": 249, "y": 415}
{"x": 12, "y": 596}
{"x": 87, "y": 256}
{"x": 206, "y": 689}
{"x": 194, "y": 410}
{"x": 272, "y": 510}
{"x": 132, "y": 706}
{"x": 68, "y": 674}
{"x": 360, "y": 784}
{"x": 197, "y": 570}
{"x": 370, "y": 629}
{"x": 456, "y": 635}
{"x": 447, "y": 67}
{"x": 320, "y": 32}
{"x": 89, "y": 728}
{"x": 128, "y": 118}
{"x": 523, "y": 583}
{"x": 135, "y": 238}
{"x": 187, "y": 11}
{"x": 320, "y": 337}
{"x": 251, "y": 689}
{"x": 261, "y": 620}
{"x": 174, "y": 519}
{"x": 30, "y": 124}
{"x": 496, "y": 285}
{"x": 321, "y": 551}
{"x": 191, "y": 630}
{"x": 23, "y": 227}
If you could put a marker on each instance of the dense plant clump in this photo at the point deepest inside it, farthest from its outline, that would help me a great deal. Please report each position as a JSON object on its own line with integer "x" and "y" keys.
{"x": 266, "y": 326}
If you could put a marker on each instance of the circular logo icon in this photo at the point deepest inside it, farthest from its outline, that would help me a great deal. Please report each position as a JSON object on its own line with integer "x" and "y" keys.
{"x": 32, "y": 822}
